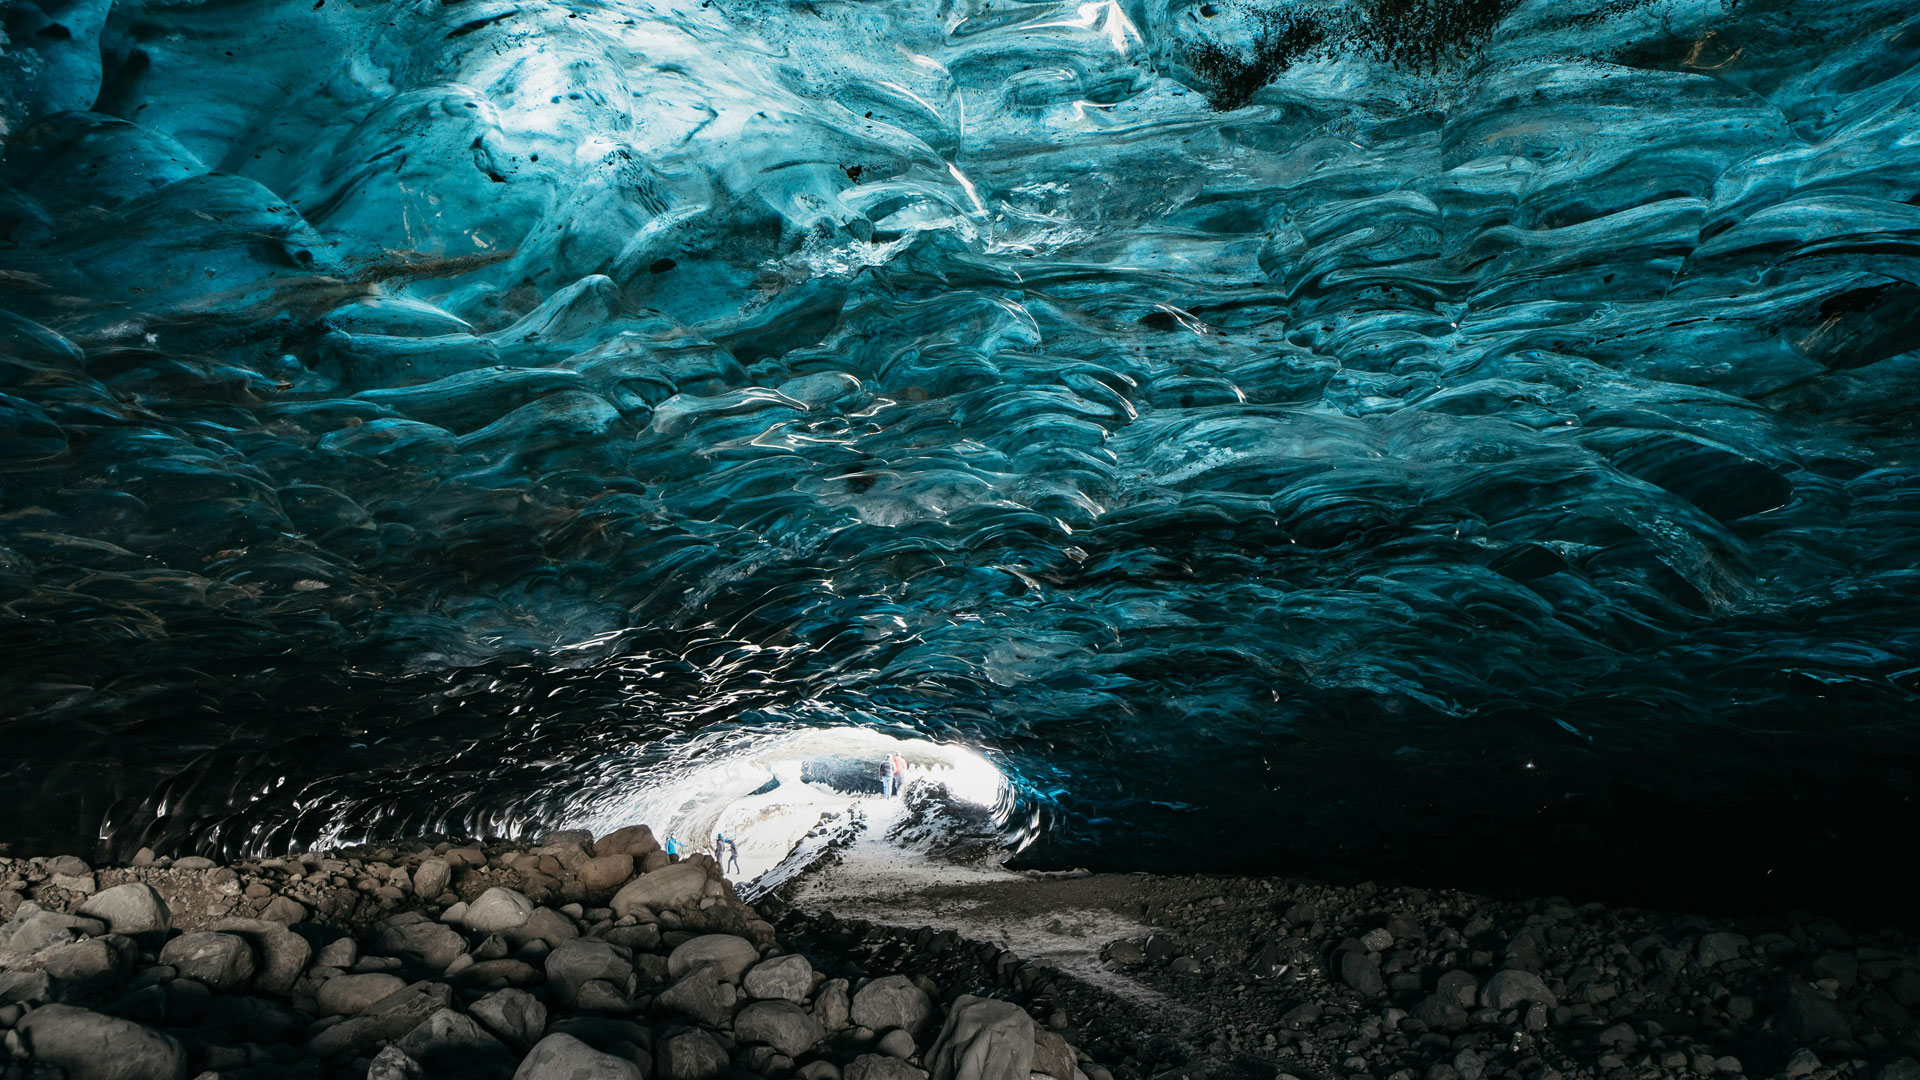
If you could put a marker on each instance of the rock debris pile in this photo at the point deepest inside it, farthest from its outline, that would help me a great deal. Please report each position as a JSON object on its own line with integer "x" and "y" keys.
{"x": 572, "y": 959}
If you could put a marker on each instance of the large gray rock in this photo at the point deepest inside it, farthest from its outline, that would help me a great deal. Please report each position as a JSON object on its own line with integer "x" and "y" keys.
{"x": 1053, "y": 1056}
{"x": 514, "y": 1015}
{"x": 431, "y": 878}
{"x": 222, "y": 961}
{"x": 780, "y": 1024}
{"x": 1361, "y": 974}
{"x": 498, "y": 909}
{"x": 690, "y": 1055}
{"x": 350, "y": 995}
{"x": 891, "y": 1001}
{"x": 983, "y": 1039}
{"x": 281, "y": 953}
{"x": 436, "y": 945}
{"x": 134, "y": 909}
{"x": 90, "y": 1046}
{"x": 34, "y": 929}
{"x": 634, "y": 840}
{"x": 574, "y": 969}
{"x": 1810, "y": 1017}
{"x": 449, "y": 1044}
{"x": 1511, "y": 988}
{"x": 882, "y": 1067}
{"x": 603, "y": 874}
{"x": 702, "y": 996}
{"x": 674, "y": 886}
{"x": 727, "y": 956}
{"x": 1718, "y": 948}
{"x": 788, "y": 978}
{"x": 563, "y": 1057}
{"x": 385, "y": 1021}
{"x": 90, "y": 965}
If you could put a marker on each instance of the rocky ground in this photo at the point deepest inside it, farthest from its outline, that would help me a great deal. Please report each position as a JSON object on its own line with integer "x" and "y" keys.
{"x": 574, "y": 959}
{"x": 582, "y": 958}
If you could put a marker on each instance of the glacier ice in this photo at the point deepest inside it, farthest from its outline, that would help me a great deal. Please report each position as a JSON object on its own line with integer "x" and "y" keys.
{"x": 1348, "y": 420}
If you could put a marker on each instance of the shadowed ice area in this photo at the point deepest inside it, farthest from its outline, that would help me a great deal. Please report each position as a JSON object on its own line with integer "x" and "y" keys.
{"x": 1276, "y": 432}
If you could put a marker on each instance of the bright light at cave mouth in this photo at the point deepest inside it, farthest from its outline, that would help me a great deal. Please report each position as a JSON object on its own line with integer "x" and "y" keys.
{"x": 769, "y": 792}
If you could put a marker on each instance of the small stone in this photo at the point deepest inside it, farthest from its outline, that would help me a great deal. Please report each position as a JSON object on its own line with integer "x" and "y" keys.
{"x": 1377, "y": 940}
{"x": 90, "y": 1046}
{"x": 341, "y": 952}
{"x": 892, "y": 1001}
{"x": 222, "y": 961}
{"x": 393, "y": 1063}
{"x": 562, "y": 1057}
{"x": 350, "y": 995}
{"x": 193, "y": 862}
{"x": 498, "y": 909}
{"x": 1803, "y": 1062}
{"x": 788, "y": 977}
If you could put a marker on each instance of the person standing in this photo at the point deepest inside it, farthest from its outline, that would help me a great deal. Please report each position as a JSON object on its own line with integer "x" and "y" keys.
{"x": 673, "y": 847}
{"x": 886, "y": 777}
{"x": 733, "y": 856}
{"x": 899, "y": 767}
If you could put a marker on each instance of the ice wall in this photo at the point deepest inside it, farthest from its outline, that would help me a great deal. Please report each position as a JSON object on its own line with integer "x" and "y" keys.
{"x": 1349, "y": 424}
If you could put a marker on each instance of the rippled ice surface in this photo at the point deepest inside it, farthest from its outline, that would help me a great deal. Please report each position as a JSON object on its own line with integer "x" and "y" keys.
{"x": 1302, "y": 419}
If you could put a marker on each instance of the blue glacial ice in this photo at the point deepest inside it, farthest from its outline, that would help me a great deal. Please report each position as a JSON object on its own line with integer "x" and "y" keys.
{"x": 1338, "y": 424}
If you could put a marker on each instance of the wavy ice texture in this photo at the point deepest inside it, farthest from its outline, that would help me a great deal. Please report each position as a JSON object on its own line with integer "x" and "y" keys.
{"x": 1362, "y": 423}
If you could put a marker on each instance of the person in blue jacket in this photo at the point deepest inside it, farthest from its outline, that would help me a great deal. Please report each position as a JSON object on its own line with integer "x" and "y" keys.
{"x": 673, "y": 846}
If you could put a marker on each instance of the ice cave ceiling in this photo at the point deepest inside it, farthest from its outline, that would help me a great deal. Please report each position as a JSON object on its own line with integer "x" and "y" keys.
{"x": 1272, "y": 429}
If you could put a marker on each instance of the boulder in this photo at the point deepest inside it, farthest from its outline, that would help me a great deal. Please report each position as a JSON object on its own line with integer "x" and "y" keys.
{"x": 1718, "y": 948}
{"x": 1809, "y": 1017}
{"x": 90, "y": 1046}
{"x": 727, "y": 956}
{"x": 92, "y": 964}
{"x": 895, "y": 1043}
{"x": 35, "y": 929}
{"x": 1052, "y": 1055}
{"x": 892, "y": 1001}
{"x": 498, "y": 909}
{"x": 831, "y": 1005}
{"x": 514, "y": 1015}
{"x": 284, "y": 910}
{"x": 702, "y": 996}
{"x": 350, "y": 995}
{"x": 983, "y": 1039}
{"x": 1361, "y": 974}
{"x": 576, "y": 964}
{"x": 882, "y": 1067}
{"x": 134, "y": 909}
{"x": 431, "y": 878}
{"x": 222, "y": 961}
{"x": 634, "y": 840}
{"x": 780, "y": 1024}
{"x": 392, "y": 1063}
{"x": 690, "y": 1055}
{"x": 563, "y": 1057}
{"x": 436, "y": 944}
{"x": 449, "y": 1044}
{"x": 604, "y": 873}
{"x": 384, "y": 1021}
{"x": 678, "y": 885}
{"x": 1507, "y": 989}
{"x": 788, "y": 978}
{"x": 281, "y": 953}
